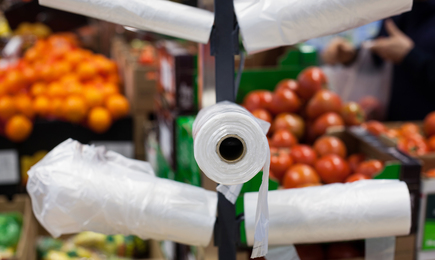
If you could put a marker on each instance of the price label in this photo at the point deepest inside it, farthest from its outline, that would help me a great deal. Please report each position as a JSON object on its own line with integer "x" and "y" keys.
{"x": 9, "y": 172}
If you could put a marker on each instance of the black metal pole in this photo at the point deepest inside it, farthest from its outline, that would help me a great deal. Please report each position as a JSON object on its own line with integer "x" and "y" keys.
{"x": 223, "y": 48}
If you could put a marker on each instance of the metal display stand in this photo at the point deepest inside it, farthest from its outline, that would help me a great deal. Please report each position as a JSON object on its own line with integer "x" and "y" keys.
{"x": 224, "y": 45}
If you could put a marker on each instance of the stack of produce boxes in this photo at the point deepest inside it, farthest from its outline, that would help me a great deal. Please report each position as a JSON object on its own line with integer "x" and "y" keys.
{"x": 176, "y": 104}
{"x": 139, "y": 71}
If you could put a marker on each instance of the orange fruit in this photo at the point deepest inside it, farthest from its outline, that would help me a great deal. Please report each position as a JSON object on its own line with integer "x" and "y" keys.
{"x": 86, "y": 71}
{"x": 56, "y": 89}
{"x": 30, "y": 74}
{"x": 31, "y": 55}
{"x": 75, "y": 88}
{"x": 41, "y": 106}
{"x": 74, "y": 57}
{"x": 55, "y": 108}
{"x": 48, "y": 73}
{"x": 93, "y": 97}
{"x": 118, "y": 106}
{"x": 7, "y": 107}
{"x": 23, "y": 105}
{"x": 69, "y": 78}
{"x": 109, "y": 89}
{"x": 74, "y": 109}
{"x": 14, "y": 81}
{"x": 113, "y": 78}
{"x": 38, "y": 88}
{"x": 99, "y": 120}
{"x": 18, "y": 128}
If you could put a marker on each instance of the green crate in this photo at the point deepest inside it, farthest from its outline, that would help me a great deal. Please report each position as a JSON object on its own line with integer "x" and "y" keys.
{"x": 290, "y": 65}
{"x": 187, "y": 169}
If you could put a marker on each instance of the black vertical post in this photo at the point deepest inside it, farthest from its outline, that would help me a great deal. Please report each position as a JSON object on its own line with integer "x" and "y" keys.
{"x": 223, "y": 48}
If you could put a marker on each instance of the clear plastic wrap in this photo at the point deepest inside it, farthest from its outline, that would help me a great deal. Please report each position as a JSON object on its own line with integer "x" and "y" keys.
{"x": 335, "y": 212}
{"x": 84, "y": 188}
{"x": 266, "y": 24}
{"x": 231, "y": 147}
{"x": 160, "y": 16}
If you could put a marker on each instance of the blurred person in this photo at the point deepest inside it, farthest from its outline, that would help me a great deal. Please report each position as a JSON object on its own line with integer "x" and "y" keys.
{"x": 408, "y": 41}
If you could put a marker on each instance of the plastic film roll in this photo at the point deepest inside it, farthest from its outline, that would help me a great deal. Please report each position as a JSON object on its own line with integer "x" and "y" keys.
{"x": 230, "y": 144}
{"x": 83, "y": 188}
{"x": 267, "y": 24}
{"x": 336, "y": 212}
{"x": 160, "y": 16}
{"x": 231, "y": 147}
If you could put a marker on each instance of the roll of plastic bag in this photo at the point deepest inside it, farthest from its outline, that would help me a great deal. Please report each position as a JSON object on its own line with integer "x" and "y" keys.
{"x": 231, "y": 147}
{"x": 78, "y": 188}
{"x": 335, "y": 212}
{"x": 267, "y": 24}
{"x": 159, "y": 16}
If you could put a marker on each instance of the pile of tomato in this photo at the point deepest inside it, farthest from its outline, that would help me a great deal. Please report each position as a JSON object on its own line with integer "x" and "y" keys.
{"x": 411, "y": 138}
{"x": 300, "y": 112}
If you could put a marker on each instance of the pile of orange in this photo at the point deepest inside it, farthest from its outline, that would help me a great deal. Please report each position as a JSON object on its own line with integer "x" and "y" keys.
{"x": 56, "y": 79}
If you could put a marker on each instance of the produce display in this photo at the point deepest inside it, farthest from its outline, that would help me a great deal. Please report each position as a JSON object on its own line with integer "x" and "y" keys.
{"x": 57, "y": 80}
{"x": 89, "y": 245}
{"x": 300, "y": 112}
{"x": 10, "y": 233}
{"x": 414, "y": 139}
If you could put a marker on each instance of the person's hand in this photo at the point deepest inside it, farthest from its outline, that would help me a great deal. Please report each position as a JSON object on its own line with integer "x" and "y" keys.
{"x": 393, "y": 48}
{"x": 339, "y": 51}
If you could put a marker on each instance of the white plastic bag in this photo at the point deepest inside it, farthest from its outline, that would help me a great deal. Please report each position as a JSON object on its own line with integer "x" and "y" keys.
{"x": 363, "y": 82}
{"x": 78, "y": 188}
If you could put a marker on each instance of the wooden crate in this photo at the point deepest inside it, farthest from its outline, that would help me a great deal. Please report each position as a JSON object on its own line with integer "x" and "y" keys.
{"x": 26, "y": 249}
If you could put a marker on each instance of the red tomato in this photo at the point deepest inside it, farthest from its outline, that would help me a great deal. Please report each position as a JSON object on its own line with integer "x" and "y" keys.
{"x": 429, "y": 124}
{"x": 343, "y": 250}
{"x": 370, "y": 168}
{"x": 371, "y": 107}
{"x": 283, "y": 138}
{"x": 430, "y": 173}
{"x": 393, "y": 134}
{"x": 310, "y": 252}
{"x": 290, "y": 84}
{"x": 303, "y": 154}
{"x": 284, "y": 101}
{"x": 299, "y": 174}
{"x": 375, "y": 127}
{"x": 257, "y": 99}
{"x": 323, "y": 101}
{"x": 431, "y": 143}
{"x": 272, "y": 176}
{"x": 409, "y": 129}
{"x": 353, "y": 114}
{"x": 262, "y": 114}
{"x": 332, "y": 168}
{"x": 325, "y": 121}
{"x": 291, "y": 122}
{"x": 357, "y": 177}
{"x": 413, "y": 145}
{"x": 330, "y": 145}
{"x": 310, "y": 81}
{"x": 355, "y": 160}
{"x": 280, "y": 161}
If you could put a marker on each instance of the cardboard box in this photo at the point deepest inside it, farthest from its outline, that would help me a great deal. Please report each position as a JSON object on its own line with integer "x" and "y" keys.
{"x": 140, "y": 82}
{"x": 26, "y": 249}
